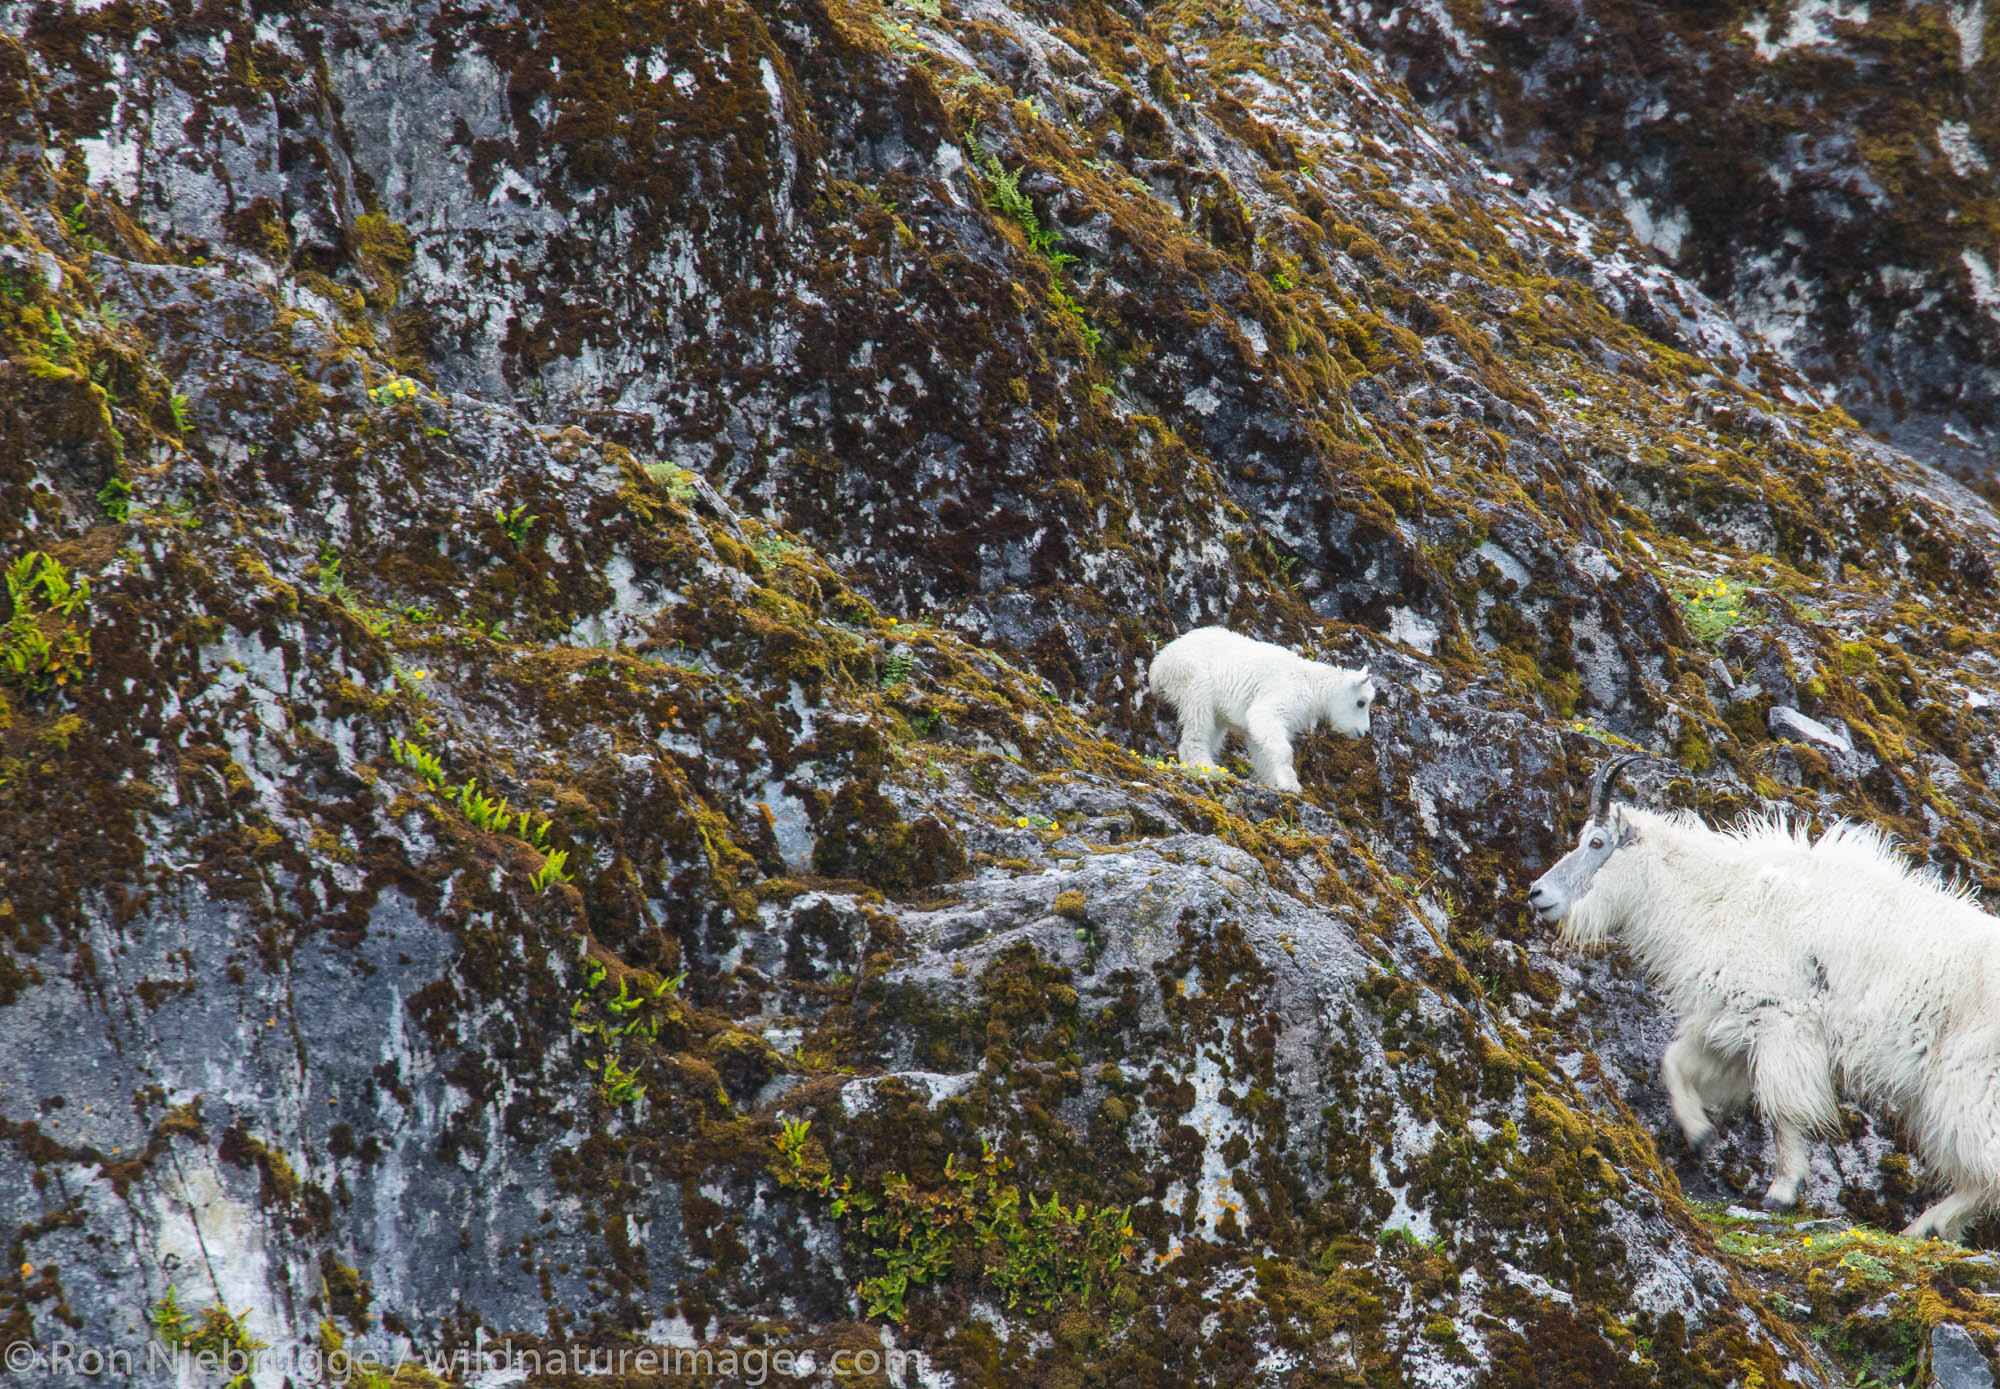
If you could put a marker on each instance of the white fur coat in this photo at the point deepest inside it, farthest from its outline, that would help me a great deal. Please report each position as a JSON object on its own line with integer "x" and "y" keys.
{"x": 1220, "y": 682}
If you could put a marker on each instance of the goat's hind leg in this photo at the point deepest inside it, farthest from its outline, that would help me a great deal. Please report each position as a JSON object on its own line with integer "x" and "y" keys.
{"x": 1948, "y": 1218}
{"x": 1701, "y": 1080}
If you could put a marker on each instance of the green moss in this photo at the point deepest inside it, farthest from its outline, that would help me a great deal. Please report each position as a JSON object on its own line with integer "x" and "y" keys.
{"x": 864, "y": 837}
{"x": 347, "y": 1292}
{"x": 278, "y": 1181}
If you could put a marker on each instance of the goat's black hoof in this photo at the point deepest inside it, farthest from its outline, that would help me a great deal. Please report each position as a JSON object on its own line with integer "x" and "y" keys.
{"x": 1700, "y": 1146}
{"x": 1779, "y": 1204}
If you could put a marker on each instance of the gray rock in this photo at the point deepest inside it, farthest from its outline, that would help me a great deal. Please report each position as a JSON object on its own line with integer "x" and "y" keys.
{"x": 1787, "y": 722}
{"x": 1831, "y": 741}
{"x": 1956, "y": 1360}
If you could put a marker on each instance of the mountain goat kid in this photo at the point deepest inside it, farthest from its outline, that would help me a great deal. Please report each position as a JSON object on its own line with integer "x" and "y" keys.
{"x": 1799, "y": 967}
{"x": 1221, "y": 682}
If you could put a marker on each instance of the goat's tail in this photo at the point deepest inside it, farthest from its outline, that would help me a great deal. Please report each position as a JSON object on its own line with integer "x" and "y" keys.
{"x": 1169, "y": 674}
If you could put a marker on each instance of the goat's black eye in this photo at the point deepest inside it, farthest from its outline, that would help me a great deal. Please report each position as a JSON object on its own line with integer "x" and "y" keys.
{"x": 1597, "y": 841}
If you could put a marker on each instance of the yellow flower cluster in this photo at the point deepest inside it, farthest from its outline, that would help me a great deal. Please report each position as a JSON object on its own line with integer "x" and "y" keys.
{"x": 1713, "y": 608}
{"x": 396, "y": 388}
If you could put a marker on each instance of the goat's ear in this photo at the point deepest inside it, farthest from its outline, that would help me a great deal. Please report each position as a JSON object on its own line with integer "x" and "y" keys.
{"x": 1627, "y": 832}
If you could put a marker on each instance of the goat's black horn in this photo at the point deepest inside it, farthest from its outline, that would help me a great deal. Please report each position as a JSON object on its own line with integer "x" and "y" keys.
{"x": 1606, "y": 780}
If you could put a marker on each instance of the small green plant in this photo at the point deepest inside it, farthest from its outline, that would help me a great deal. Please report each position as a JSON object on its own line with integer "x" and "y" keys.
{"x": 1281, "y": 282}
{"x": 530, "y": 833}
{"x": 1744, "y": 1242}
{"x": 1285, "y": 563}
{"x": 417, "y": 758}
{"x": 617, "y": 1083}
{"x": 115, "y": 496}
{"x": 791, "y": 1142}
{"x": 900, "y": 34}
{"x": 896, "y": 668}
{"x": 1067, "y": 307}
{"x": 59, "y": 335}
{"x": 1595, "y": 731}
{"x": 771, "y": 549}
{"x": 485, "y": 812}
{"x": 217, "y": 1336}
{"x": 1056, "y": 1254}
{"x": 41, "y": 646}
{"x": 677, "y": 482}
{"x": 1047, "y": 1256}
{"x": 76, "y": 223}
{"x": 1004, "y": 196}
{"x": 1407, "y": 1235}
{"x": 330, "y": 581}
{"x": 1208, "y": 773}
{"x": 515, "y": 523}
{"x": 395, "y": 391}
{"x": 918, "y": 1228}
{"x": 552, "y": 870}
{"x": 628, "y": 1020}
{"x": 1713, "y": 609}
{"x": 183, "y": 413}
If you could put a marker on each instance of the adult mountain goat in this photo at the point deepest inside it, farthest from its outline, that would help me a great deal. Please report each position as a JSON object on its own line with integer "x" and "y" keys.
{"x": 1798, "y": 969}
{"x": 1221, "y": 682}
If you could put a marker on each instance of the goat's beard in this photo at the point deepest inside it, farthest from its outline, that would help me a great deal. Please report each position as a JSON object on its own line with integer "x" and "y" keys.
{"x": 1582, "y": 927}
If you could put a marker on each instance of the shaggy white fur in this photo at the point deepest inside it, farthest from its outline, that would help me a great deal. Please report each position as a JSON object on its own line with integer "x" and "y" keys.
{"x": 1220, "y": 682}
{"x": 1800, "y": 970}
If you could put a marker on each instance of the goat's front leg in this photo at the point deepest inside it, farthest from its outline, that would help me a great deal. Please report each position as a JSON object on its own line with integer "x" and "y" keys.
{"x": 1791, "y": 1075}
{"x": 1790, "y": 1141}
{"x": 1699, "y": 1079}
{"x": 1270, "y": 746}
{"x": 1201, "y": 737}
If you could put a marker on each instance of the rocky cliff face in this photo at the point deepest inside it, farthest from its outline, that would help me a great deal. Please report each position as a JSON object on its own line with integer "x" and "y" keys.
{"x": 574, "y": 756}
{"x": 1824, "y": 169}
